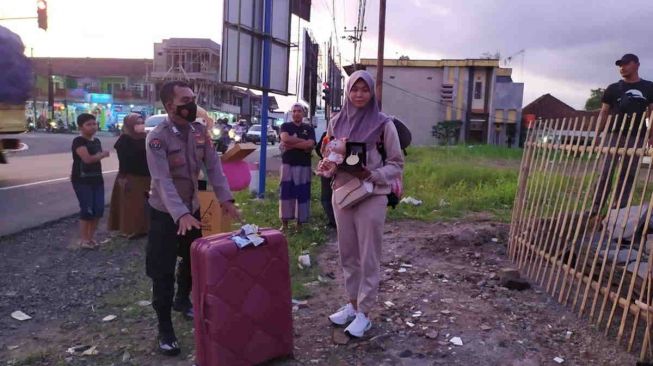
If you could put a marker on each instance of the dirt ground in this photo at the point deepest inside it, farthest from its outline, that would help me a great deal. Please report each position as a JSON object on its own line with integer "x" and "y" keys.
{"x": 440, "y": 282}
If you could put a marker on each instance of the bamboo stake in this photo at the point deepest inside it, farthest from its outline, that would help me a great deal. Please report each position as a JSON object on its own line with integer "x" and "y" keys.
{"x": 540, "y": 199}
{"x": 564, "y": 208}
{"x": 608, "y": 160}
{"x": 582, "y": 222}
{"x": 565, "y": 233}
{"x": 545, "y": 233}
{"x": 619, "y": 196}
{"x": 582, "y": 241}
{"x": 520, "y": 195}
{"x": 536, "y": 157}
{"x": 623, "y": 225}
{"x": 642, "y": 291}
{"x": 537, "y": 189}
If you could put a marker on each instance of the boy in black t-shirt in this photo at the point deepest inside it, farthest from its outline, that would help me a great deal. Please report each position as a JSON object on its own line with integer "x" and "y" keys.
{"x": 86, "y": 177}
{"x": 623, "y": 100}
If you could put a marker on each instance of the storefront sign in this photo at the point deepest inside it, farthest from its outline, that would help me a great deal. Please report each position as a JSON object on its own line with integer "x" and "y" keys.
{"x": 99, "y": 98}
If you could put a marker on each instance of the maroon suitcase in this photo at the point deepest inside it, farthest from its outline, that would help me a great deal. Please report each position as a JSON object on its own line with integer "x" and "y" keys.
{"x": 242, "y": 300}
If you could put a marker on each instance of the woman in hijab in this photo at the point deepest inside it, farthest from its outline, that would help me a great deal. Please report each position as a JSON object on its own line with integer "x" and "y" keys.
{"x": 360, "y": 226}
{"x": 127, "y": 212}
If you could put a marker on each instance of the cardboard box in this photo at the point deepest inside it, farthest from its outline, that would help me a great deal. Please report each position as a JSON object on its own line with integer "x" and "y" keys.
{"x": 238, "y": 152}
{"x": 213, "y": 219}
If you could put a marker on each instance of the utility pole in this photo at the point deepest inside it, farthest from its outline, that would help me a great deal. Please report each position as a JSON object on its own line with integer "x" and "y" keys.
{"x": 379, "y": 57}
{"x": 267, "y": 54}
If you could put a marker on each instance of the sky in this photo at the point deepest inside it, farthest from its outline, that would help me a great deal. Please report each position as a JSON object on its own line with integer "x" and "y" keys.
{"x": 569, "y": 45}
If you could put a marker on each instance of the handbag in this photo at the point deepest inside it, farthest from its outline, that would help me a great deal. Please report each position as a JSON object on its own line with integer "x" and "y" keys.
{"x": 352, "y": 192}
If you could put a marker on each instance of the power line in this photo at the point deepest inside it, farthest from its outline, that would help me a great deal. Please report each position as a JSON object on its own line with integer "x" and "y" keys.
{"x": 445, "y": 104}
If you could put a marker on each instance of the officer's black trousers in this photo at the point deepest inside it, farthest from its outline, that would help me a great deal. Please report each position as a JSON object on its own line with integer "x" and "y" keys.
{"x": 163, "y": 248}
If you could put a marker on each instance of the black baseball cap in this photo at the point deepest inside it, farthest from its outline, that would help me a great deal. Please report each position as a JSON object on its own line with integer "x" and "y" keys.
{"x": 626, "y": 59}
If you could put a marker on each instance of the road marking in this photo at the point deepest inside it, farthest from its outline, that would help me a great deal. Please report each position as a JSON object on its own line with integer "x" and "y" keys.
{"x": 46, "y": 181}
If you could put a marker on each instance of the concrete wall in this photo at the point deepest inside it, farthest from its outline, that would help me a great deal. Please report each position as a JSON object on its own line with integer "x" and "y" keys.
{"x": 413, "y": 108}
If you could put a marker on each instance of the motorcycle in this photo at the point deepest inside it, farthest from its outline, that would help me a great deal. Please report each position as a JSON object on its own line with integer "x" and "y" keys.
{"x": 220, "y": 139}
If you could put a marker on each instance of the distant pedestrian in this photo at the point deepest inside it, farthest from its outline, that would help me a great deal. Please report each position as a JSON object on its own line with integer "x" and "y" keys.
{"x": 86, "y": 177}
{"x": 625, "y": 99}
{"x": 297, "y": 142}
{"x": 360, "y": 226}
{"x": 127, "y": 213}
{"x": 326, "y": 191}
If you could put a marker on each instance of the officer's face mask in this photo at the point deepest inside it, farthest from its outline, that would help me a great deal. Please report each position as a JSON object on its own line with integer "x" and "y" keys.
{"x": 187, "y": 111}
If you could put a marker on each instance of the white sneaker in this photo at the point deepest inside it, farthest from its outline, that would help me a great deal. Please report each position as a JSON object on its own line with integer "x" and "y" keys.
{"x": 344, "y": 315}
{"x": 359, "y": 326}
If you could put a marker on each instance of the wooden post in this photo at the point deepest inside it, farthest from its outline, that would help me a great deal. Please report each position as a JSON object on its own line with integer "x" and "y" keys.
{"x": 379, "y": 57}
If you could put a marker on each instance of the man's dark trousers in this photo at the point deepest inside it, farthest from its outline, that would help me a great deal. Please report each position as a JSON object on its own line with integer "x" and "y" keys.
{"x": 163, "y": 248}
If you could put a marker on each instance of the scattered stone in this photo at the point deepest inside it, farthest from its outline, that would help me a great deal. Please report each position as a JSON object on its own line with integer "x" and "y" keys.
{"x": 406, "y": 265}
{"x": 126, "y": 356}
{"x": 339, "y": 337}
{"x": 432, "y": 334}
{"x": 568, "y": 335}
{"x": 417, "y": 314}
{"x": 389, "y": 304}
{"x": 457, "y": 341}
{"x": 91, "y": 351}
{"x": 410, "y": 324}
{"x": 445, "y": 312}
{"x": 485, "y": 327}
{"x": 74, "y": 349}
{"x": 519, "y": 284}
{"x": 109, "y": 318}
{"x": 11, "y": 348}
{"x": 300, "y": 303}
{"x": 559, "y": 360}
{"x": 406, "y": 354}
{"x": 508, "y": 274}
{"x": 495, "y": 240}
{"x": 401, "y": 270}
{"x": 447, "y": 301}
{"x": 304, "y": 261}
{"x": 20, "y": 316}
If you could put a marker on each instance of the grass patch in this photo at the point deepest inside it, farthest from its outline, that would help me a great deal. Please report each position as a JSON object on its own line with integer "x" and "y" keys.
{"x": 454, "y": 181}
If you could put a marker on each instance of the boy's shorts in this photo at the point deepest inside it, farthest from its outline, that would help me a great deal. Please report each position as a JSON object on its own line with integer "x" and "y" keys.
{"x": 91, "y": 200}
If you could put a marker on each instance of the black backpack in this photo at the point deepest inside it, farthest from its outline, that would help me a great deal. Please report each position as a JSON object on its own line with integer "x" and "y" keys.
{"x": 405, "y": 138}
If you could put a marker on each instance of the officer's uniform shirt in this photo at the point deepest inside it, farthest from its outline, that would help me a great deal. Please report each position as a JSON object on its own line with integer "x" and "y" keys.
{"x": 175, "y": 165}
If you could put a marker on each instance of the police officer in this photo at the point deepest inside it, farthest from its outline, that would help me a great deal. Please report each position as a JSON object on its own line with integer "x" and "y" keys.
{"x": 176, "y": 149}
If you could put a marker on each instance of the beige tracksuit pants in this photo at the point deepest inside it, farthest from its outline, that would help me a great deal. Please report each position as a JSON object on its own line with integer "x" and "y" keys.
{"x": 360, "y": 232}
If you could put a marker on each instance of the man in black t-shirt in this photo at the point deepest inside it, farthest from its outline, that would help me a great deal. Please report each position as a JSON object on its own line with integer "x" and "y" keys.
{"x": 297, "y": 141}
{"x": 627, "y": 101}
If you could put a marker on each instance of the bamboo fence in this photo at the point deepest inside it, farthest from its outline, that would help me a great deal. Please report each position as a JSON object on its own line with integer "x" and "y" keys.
{"x": 588, "y": 243}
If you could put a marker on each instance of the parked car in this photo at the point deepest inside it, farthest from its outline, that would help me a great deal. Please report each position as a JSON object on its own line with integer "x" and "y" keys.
{"x": 254, "y": 135}
{"x": 153, "y": 121}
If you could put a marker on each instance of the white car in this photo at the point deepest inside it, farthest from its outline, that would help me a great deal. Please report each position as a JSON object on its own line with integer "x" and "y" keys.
{"x": 153, "y": 121}
{"x": 254, "y": 135}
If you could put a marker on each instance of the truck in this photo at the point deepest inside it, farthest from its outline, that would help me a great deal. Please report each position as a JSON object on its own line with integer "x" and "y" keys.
{"x": 16, "y": 82}
{"x": 12, "y": 123}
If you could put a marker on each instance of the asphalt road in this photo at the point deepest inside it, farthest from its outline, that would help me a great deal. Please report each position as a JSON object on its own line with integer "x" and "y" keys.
{"x": 35, "y": 188}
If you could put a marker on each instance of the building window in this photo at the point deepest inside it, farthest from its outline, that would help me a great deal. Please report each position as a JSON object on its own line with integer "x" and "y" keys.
{"x": 478, "y": 90}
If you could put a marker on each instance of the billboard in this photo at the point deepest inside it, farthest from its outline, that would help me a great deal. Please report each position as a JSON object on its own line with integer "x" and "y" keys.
{"x": 242, "y": 44}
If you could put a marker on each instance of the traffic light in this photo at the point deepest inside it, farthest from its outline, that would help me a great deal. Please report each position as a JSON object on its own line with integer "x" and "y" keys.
{"x": 42, "y": 12}
{"x": 326, "y": 92}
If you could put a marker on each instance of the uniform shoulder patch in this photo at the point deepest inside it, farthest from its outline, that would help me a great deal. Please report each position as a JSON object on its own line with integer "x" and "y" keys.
{"x": 155, "y": 144}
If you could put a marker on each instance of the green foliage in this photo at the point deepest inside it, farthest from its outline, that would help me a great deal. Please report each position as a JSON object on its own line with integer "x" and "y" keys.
{"x": 594, "y": 101}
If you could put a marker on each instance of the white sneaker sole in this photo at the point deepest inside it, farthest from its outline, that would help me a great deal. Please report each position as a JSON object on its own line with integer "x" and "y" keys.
{"x": 347, "y": 321}
{"x": 368, "y": 327}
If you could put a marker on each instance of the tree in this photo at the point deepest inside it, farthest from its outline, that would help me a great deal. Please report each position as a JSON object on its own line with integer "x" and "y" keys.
{"x": 447, "y": 132}
{"x": 594, "y": 101}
